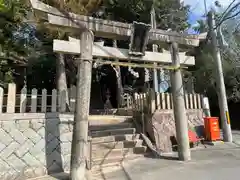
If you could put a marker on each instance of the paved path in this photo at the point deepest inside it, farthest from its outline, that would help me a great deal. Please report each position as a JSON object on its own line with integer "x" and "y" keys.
{"x": 220, "y": 162}
{"x": 214, "y": 164}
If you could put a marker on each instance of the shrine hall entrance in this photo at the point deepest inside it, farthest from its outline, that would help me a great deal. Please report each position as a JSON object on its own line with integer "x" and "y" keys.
{"x": 107, "y": 89}
{"x": 104, "y": 90}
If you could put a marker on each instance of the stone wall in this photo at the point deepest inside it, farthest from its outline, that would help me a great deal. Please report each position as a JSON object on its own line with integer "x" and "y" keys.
{"x": 160, "y": 126}
{"x": 33, "y": 145}
{"x": 36, "y": 144}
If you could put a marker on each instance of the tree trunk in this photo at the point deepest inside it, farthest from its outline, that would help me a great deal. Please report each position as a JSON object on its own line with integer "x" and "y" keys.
{"x": 63, "y": 100}
{"x": 119, "y": 81}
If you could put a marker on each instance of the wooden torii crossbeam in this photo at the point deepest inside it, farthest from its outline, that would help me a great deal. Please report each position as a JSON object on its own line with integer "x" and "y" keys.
{"x": 107, "y": 28}
{"x": 73, "y": 47}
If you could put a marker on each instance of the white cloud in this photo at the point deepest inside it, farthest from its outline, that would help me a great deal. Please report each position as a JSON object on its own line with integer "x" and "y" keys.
{"x": 197, "y": 6}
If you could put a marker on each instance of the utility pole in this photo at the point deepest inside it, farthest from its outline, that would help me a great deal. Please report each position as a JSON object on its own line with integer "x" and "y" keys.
{"x": 154, "y": 48}
{"x": 222, "y": 99}
{"x": 80, "y": 126}
{"x": 157, "y": 73}
{"x": 181, "y": 121}
{"x": 205, "y": 7}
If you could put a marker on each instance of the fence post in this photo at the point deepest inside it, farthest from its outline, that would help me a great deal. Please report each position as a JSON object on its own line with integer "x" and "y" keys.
{"x": 54, "y": 100}
{"x": 163, "y": 101}
{"x": 34, "y": 101}
{"x": 186, "y": 101}
{"x": 23, "y": 100}
{"x": 153, "y": 99}
{"x": 171, "y": 100}
{"x": 195, "y": 100}
{"x": 168, "y": 105}
{"x": 1, "y": 98}
{"x": 199, "y": 101}
{"x": 157, "y": 100}
{"x": 62, "y": 97}
{"x": 135, "y": 102}
{"x": 190, "y": 101}
{"x": 11, "y": 99}
{"x": 72, "y": 96}
{"x": 206, "y": 107}
{"x": 44, "y": 101}
{"x": 141, "y": 102}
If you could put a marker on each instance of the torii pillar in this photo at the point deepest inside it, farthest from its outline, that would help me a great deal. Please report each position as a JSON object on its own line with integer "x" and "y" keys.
{"x": 80, "y": 128}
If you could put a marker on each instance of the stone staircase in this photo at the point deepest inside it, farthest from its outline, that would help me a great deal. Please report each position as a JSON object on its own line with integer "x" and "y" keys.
{"x": 114, "y": 142}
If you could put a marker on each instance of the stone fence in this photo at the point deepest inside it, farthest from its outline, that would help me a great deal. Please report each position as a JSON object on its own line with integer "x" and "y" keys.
{"x": 156, "y": 118}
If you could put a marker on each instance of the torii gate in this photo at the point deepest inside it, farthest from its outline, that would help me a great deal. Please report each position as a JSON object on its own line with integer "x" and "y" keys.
{"x": 87, "y": 49}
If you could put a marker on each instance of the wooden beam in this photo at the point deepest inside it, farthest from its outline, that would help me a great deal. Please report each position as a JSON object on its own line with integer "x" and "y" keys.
{"x": 73, "y": 47}
{"x": 107, "y": 29}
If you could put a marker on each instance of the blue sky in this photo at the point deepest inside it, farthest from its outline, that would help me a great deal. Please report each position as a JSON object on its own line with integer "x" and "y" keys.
{"x": 197, "y": 8}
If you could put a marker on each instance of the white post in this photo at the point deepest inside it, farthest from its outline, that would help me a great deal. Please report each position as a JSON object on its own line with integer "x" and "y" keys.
{"x": 163, "y": 101}
{"x": 11, "y": 99}
{"x": 186, "y": 101}
{"x": 157, "y": 100}
{"x": 62, "y": 100}
{"x": 1, "y": 98}
{"x": 168, "y": 105}
{"x": 34, "y": 101}
{"x": 206, "y": 107}
{"x": 54, "y": 101}
{"x": 44, "y": 101}
{"x": 199, "y": 101}
{"x": 195, "y": 101}
{"x": 190, "y": 101}
{"x": 23, "y": 100}
{"x": 72, "y": 96}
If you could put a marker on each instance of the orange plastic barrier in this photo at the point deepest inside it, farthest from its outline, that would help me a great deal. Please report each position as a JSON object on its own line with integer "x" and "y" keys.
{"x": 212, "y": 130}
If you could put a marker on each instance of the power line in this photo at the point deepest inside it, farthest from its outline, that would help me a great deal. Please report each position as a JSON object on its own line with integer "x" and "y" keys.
{"x": 229, "y": 6}
{"x": 228, "y": 10}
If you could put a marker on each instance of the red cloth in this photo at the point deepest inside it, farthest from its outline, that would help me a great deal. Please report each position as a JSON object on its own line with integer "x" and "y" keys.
{"x": 192, "y": 136}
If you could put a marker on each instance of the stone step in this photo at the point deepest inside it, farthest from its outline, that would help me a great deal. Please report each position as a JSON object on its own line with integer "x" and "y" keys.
{"x": 97, "y": 163}
{"x": 112, "y": 112}
{"x": 117, "y": 145}
{"x": 108, "y": 119}
{"x": 59, "y": 176}
{"x": 115, "y": 171}
{"x": 122, "y": 137}
{"x": 110, "y": 126}
{"x": 104, "y": 153}
{"x": 113, "y": 132}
